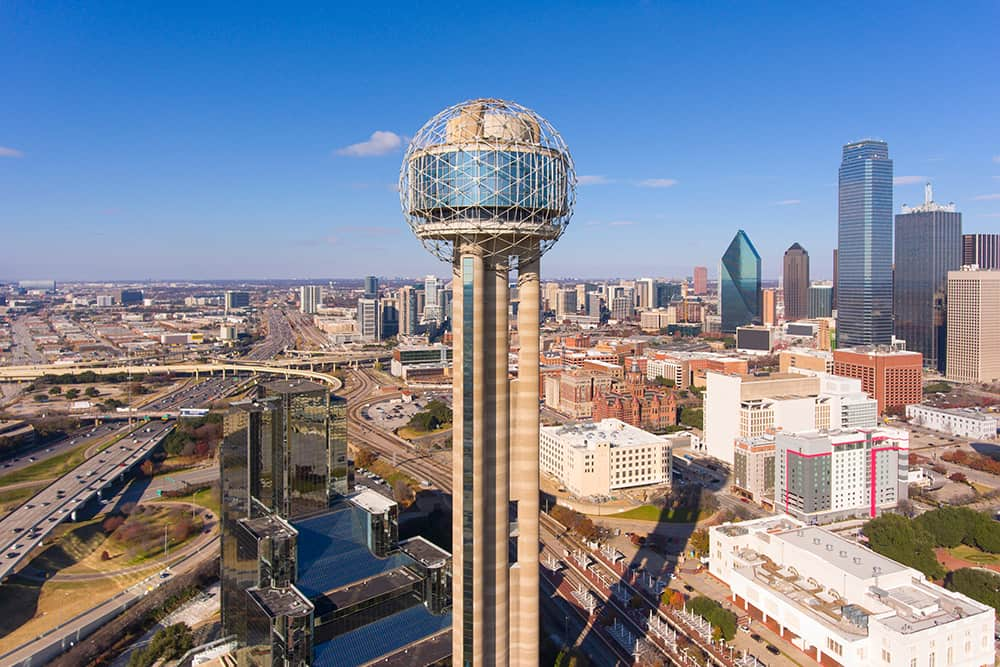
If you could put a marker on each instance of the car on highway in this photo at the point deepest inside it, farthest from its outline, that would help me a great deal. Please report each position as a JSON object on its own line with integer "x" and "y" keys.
{"x": 771, "y": 648}
{"x": 13, "y": 554}
{"x": 756, "y": 637}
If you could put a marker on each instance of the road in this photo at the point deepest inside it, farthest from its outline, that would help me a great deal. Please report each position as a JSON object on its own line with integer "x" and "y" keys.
{"x": 23, "y": 350}
{"x": 279, "y": 337}
{"x": 48, "y": 450}
{"x": 25, "y": 528}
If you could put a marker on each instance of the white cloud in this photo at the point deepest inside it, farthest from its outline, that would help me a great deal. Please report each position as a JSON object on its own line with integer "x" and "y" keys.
{"x": 622, "y": 223}
{"x": 908, "y": 180}
{"x": 380, "y": 143}
{"x": 990, "y": 197}
{"x": 996, "y": 158}
{"x": 6, "y": 151}
{"x": 592, "y": 180}
{"x": 657, "y": 183}
{"x": 788, "y": 202}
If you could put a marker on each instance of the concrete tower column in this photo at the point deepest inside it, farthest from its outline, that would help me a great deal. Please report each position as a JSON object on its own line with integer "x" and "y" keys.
{"x": 524, "y": 467}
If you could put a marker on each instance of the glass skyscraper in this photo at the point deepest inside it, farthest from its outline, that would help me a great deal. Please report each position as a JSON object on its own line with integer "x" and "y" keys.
{"x": 795, "y": 282}
{"x": 739, "y": 284}
{"x": 928, "y": 246}
{"x": 864, "y": 244}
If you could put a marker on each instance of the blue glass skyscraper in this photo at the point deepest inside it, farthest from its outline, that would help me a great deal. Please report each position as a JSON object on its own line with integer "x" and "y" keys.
{"x": 864, "y": 272}
{"x": 739, "y": 284}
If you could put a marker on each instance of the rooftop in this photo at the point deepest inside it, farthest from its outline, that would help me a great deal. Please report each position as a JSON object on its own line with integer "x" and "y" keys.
{"x": 372, "y": 501}
{"x": 269, "y": 526}
{"x": 967, "y": 413}
{"x": 614, "y": 432}
{"x": 386, "y": 635}
{"x": 293, "y": 387}
{"x": 841, "y": 553}
{"x": 424, "y": 552}
{"x": 287, "y": 601}
{"x": 366, "y": 589}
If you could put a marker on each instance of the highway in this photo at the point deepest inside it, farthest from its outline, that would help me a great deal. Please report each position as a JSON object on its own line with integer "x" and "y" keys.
{"x": 279, "y": 336}
{"x": 24, "y": 528}
{"x": 88, "y": 435}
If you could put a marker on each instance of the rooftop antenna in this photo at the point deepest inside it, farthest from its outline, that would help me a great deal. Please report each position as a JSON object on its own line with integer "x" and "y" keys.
{"x": 928, "y": 193}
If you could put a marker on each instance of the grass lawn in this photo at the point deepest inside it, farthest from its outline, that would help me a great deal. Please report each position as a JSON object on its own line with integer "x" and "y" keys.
{"x": 974, "y": 555}
{"x": 390, "y": 474}
{"x": 981, "y": 489}
{"x": 207, "y": 498}
{"x": 52, "y": 467}
{"x": 653, "y": 513}
{"x": 409, "y": 433}
{"x": 13, "y": 498}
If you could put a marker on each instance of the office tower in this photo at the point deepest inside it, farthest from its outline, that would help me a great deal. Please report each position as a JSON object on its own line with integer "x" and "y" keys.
{"x": 594, "y": 302}
{"x": 371, "y": 287}
{"x": 864, "y": 245}
{"x": 236, "y": 300}
{"x": 432, "y": 307}
{"x": 982, "y": 250}
{"x": 769, "y": 307}
{"x": 645, "y": 293}
{"x": 836, "y": 277}
{"x": 565, "y": 303}
{"x": 820, "y": 300}
{"x": 408, "y": 314}
{"x": 892, "y": 377}
{"x": 739, "y": 284}
{"x": 368, "y": 319}
{"x": 622, "y": 307}
{"x": 310, "y": 299}
{"x": 928, "y": 245}
{"x": 105, "y": 300}
{"x": 483, "y": 181}
{"x": 664, "y": 293}
{"x": 973, "y": 323}
{"x": 388, "y": 315}
{"x": 795, "y": 283}
{"x": 700, "y": 280}
{"x": 130, "y": 297}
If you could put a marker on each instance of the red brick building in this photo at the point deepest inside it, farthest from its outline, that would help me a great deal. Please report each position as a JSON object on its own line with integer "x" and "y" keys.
{"x": 638, "y": 405}
{"x": 891, "y": 377}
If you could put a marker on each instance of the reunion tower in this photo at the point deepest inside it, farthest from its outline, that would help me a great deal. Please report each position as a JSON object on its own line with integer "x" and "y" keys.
{"x": 489, "y": 186}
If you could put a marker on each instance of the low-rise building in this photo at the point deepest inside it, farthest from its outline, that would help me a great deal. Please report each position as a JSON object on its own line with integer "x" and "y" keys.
{"x": 892, "y": 377}
{"x": 843, "y": 604}
{"x": 964, "y": 422}
{"x": 595, "y": 459}
{"x": 823, "y": 476}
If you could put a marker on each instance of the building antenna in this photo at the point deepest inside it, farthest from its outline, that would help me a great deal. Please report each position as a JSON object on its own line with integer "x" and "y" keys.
{"x": 928, "y": 193}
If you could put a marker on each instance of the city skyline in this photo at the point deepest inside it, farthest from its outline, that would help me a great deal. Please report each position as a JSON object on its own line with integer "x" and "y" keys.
{"x": 283, "y": 168}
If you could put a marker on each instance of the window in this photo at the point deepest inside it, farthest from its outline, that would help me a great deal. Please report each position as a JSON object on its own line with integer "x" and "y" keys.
{"x": 886, "y": 656}
{"x": 836, "y": 648}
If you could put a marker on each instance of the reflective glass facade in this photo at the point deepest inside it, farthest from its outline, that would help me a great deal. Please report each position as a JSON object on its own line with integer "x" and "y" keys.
{"x": 531, "y": 180}
{"x": 795, "y": 283}
{"x": 468, "y": 423}
{"x": 928, "y": 245}
{"x": 864, "y": 245}
{"x": 739, "y": 284}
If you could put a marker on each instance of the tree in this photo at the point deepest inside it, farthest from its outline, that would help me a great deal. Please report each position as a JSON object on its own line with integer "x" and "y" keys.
{"x": 72, "y": 393}
{"x": 713, "y": 612}
{"x": 699, "y": 541}
{"x": 147, "y": 468}
{"x": 905, "y": 541}
{"x": 364, "y": 458}
{"x": 693, "y": 417}
{"x": 91, "y": 392}
{"x": 402, "y": 492}
{"x": 664, "y": 382}
{"x": 674, "y": 598}
{"x": 41, "y": 398}
{"x": 979, "y": 585}
{"x": 958, "y": 477}
{"x": 55, "y": 391}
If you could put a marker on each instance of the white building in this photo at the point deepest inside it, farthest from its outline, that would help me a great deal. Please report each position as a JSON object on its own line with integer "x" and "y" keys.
{"x": 821, "y": 476}
{"x": 749, "y": 406}
{"x": 594, "y": 459}
{"x": 672, "y": 369}
{"x": 310, "y": 299}
{"x": 369, "y": 324}
{"x": 963, "y": 422}
{"x": 842, "y": 603}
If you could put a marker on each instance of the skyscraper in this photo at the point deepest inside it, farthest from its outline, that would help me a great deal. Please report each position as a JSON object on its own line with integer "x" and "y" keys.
{"x": 739, "y": 284}
{"x": 769, "y": 307}
{"x": 820, "y": 300}
{"x": 795, "y": 282}
{"x": 973, "y": 322}
{"x": 409, "y": 316}
{"x": 836, "y": 277}
{"x": 482, "y": 182}
{"x": 369, "y": 323}
{"x": 432, "y": 307}
{"x": 310, "y": 298}
{"x": 928, "y": 245}
{"x": 371, "y": 287}
{"x": 864, "y": 244}
{"x": 700, "y": 280}
{"x": 983, "y": 250}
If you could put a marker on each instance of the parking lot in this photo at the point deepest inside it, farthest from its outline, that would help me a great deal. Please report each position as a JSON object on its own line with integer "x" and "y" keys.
{"x": 395, "y": 413}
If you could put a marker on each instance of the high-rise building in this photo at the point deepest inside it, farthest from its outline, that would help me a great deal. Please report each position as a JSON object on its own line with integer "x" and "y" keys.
{"x": 928, "y": 245}
{"x": 310, "y": 299}
{"x": 369, "y": 324}
{"x": 307, "y": 566}
{"x": 565, "y": 303}
{"x": 483, "y": 181}
{"x": 664, "y": 293}
{"x": 700, "y": 280}
{"x": 822, "y": 475}
{"x": 388, "y": 315}
{"x": 432, "y": 306}
{"x": 864, "y": 245}
{"x": 973, "y": 323}
{"x": 768, "y": 307}
{"x": 982, "y": 250}
{"x": 645, "y": 293}
{"x": 820, "y": 299}
{"x": 594, "y": 302}
{"x": 236, "y": 300}
{"x": 891, "y": 377}
{"x": 739, "y": 284}
{"x": 836, "y": 276}
{"x": 371, "y": 287}
{"x": 795, "y": 283}
{"x": 130, "y": 297}
{"x": 622, "y": 307}
{"x": 409, "y": 314}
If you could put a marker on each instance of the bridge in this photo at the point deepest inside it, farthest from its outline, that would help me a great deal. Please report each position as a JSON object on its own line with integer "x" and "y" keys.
{"x": 30, "y": 373}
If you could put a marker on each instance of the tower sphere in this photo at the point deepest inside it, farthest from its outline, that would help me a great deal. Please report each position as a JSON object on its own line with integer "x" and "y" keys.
{"x": 488, "y": 173}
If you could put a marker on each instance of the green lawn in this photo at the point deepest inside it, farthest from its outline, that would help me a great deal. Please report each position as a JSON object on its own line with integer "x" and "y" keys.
{"x": 974, "y": 555}
{"x": 653, "y": 513}
{"x": 47, "y": 469}
{"x": 14, "y": 497}
{"x": 207, "y": 498}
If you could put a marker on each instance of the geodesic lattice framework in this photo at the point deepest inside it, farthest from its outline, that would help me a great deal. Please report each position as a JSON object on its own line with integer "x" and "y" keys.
{"x": 491, "y": 173}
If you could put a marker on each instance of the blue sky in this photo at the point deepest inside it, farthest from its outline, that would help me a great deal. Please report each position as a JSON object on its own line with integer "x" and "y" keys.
{"x": 167, "y": 140}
